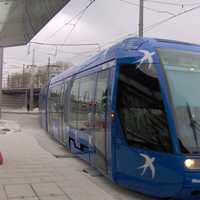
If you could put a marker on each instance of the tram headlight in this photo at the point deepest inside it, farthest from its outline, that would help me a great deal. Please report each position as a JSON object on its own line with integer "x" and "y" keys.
{"x": 190, "y": 164}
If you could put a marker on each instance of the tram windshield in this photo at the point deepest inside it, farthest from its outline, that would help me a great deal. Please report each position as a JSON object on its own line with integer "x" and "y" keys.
{"x": 140, "y": 108}
{"x": 182, "y": 70}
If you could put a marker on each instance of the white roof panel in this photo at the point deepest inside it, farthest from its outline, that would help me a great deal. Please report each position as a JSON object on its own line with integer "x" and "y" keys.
{"x": 21, "y": 20}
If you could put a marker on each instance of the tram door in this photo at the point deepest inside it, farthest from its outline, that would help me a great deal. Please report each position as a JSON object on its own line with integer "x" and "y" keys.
{"x": 61, "y": 113}
{"x": 101, "y": 120}
{"x": 55, "y": 112}
{"x": 66, "y": 107}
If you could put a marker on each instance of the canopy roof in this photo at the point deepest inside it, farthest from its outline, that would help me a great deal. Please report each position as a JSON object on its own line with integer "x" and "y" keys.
{"x": 21, "y": 20}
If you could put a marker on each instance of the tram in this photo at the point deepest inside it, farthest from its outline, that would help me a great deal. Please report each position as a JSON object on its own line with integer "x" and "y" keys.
{"x": 133, "y": 112}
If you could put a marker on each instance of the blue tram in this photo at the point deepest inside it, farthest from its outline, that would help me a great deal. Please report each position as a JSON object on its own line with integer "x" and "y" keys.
{"x": 133, "y": 112}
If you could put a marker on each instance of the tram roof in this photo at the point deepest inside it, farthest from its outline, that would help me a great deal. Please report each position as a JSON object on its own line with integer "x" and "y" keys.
{"x": 125, "y": 49}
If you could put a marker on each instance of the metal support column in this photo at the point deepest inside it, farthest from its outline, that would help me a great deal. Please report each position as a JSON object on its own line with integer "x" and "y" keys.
{"x": 48, "y": 68}
{"x": 26, "y": 99}
{"x": 141, "y": 18}
{"x": 32, "y": 82}
{"x": 23, "y": 85}
{"x": 1, "y": 75}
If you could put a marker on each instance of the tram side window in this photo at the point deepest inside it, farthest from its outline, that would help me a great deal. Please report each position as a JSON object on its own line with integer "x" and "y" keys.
{"x": 42, "y": 99}
{"x": 66, "y": 104}
{"x": 55, "y": 98}
{"x": 58, "y": 99}
{"x": 141, "y": 110}
{"x": 86, "y": 104}
{"x": 101, "y": 101}
{"x": 51, "y": 99}
{"x": 74, "y": 99}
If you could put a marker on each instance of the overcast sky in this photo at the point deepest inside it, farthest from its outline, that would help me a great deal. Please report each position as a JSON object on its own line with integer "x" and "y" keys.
{"x": 105, "y": 21}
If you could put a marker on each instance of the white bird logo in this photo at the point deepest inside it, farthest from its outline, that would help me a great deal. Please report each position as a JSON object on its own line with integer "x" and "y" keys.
{"x": 148, "y": 57}
{"x": 148, "y": 164}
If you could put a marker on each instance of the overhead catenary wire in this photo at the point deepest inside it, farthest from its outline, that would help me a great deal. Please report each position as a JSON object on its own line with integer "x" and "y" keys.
{"x": 147, "y": 28}
{"x": 75, "y": 54}
{"x": 150, "y": 27}
{"x": 70, "y": 52}
{"x": 78, "y": 19}
{"x": 148, "y": 8}
{"x": 69, "y": 22}
{"x": 67, "y": 45}
{"x": 173, "y": 3}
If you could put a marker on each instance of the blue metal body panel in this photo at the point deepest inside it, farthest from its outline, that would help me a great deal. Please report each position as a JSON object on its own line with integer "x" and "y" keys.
{"x": 170, "y": 179}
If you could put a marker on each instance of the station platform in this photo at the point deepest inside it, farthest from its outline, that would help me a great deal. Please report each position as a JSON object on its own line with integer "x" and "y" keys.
{"x": 37, "y": 168}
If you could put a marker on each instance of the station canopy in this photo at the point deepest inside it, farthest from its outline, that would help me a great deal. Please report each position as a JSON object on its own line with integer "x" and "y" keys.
{"x": 21, "y": 20}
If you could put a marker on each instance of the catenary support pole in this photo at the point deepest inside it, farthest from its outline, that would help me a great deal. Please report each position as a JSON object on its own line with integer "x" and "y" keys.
{"x": 141, "y": 18}
{"x": 32, "y": 81}
{"x": 48, "y": 68}
{"x": 23, "y": 85}
{"x": 1, "y": 75}
{"x": 26, "y": 99}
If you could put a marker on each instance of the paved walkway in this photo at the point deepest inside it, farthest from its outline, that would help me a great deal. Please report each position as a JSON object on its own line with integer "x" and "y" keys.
{"x": 31, "y": 172}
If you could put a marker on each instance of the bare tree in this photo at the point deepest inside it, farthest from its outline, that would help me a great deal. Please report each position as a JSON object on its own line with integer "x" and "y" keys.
{"x": 40, "y": 76}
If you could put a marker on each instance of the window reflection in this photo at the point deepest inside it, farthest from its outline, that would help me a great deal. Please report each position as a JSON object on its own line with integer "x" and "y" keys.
{"x": 101, "y": 100}
{"x": 86, "y": 103}
{"x": 141, "y": 109}
{"x": 74, "y": 98}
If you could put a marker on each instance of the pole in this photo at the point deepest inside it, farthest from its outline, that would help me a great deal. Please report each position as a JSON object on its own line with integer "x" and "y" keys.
{"x": 141, "y": 18}
{"x": 8, "y": 81}
{"x": 48, "y": 68}
{"x": 1, "y": 74}
{"x": 23, "y": 77}
{"x": 31, "y": 82}
{"x": 26, "y": 98}
{"x": 23, "y": 86}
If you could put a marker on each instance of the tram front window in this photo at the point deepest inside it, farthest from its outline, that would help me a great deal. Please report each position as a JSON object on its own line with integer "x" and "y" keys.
{"x": 182, "y": 70}
{"x": 141, "y": 110}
